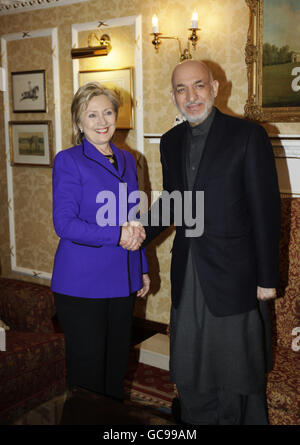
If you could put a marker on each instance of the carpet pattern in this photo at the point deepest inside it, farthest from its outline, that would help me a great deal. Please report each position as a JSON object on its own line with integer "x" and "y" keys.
{"x": 145, "y": 386}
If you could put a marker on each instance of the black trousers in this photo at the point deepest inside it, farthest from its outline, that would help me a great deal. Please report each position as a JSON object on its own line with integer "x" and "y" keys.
{"x": 97, "y": 334}
{"x": 222, "y": 408}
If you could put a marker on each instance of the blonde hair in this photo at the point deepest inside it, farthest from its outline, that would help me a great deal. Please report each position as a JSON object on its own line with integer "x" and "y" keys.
{"x": 80, "y": 103}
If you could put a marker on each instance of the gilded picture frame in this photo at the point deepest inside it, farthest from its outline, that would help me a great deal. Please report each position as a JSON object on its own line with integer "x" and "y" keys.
{"x": 272, "y": 56}
{"x": 31, "y": 143}
{"x": 120, "y": 80}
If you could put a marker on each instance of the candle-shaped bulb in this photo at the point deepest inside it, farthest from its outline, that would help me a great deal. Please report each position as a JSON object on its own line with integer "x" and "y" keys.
{"x": 155, "y": 24}
{"x": 195, "y": 20}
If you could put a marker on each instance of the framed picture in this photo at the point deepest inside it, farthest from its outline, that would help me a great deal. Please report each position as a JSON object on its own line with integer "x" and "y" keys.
{"x": 121, "y": 81}
{"x": 29, "y": 92}
{"x": 30, "y": 143}
{"x": 273, "y": 61}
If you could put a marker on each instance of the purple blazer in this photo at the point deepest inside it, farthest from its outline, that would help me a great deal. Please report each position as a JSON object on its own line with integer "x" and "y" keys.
{"x": 89, "y": 262}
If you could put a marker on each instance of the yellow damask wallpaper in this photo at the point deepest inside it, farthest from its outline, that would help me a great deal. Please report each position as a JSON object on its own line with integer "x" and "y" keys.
{"x": 31, "y": 185}
{"x": 223, "y": 34}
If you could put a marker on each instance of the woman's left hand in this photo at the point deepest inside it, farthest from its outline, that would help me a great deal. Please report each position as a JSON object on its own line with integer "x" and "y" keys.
{"x": 146, "y": 286}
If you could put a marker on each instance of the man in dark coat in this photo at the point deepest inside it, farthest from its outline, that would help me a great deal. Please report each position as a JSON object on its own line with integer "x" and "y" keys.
{"x": 221, "y": 278}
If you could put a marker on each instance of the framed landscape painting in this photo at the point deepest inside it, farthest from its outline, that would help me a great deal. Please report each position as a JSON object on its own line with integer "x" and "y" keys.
{"x": 273, "y": 61}
{"x": 30, "y": 143}
{"x": 121, "y": 81}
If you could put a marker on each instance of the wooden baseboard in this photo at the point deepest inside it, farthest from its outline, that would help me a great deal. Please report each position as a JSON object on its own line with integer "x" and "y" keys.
{"x": 156, "y": 327}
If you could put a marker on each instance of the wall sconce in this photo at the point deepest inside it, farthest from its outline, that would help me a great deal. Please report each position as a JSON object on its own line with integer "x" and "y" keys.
{"x": 97, "y": 46}
{"x": 185, "y": 54}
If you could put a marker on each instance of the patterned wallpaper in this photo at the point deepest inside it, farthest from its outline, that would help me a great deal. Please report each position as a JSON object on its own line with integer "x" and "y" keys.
{"x": 223, "y": 34}
{"x": 31, "y": 185}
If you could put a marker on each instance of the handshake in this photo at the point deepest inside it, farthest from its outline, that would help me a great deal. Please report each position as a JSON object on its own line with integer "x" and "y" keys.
{"x": 132, "y": 236}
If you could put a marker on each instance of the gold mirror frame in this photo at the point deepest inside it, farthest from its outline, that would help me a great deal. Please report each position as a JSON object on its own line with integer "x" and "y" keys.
{"x": 254, "y": 61}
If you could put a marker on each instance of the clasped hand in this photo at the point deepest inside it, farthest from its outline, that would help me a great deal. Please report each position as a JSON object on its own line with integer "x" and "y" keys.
{"x": 132, "y": 236}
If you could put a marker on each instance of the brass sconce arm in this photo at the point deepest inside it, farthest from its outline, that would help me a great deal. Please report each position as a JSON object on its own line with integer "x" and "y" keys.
{"x": 185, "y": 54}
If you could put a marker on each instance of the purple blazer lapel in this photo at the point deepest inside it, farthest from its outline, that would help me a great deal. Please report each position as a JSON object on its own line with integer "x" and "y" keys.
{"x": 91, "y": 152}
{"x": 121, "y": 160}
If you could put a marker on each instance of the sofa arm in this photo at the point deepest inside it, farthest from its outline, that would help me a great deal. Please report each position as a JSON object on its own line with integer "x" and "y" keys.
{"x": 26, "y": 306}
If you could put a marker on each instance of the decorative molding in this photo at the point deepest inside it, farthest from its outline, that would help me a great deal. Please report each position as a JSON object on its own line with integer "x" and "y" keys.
{"x": 136, "y": 21}
{"x": 153, "y": 138}
{"x": 286, "y": 149}
{"x": 16, "y": 7}
{"x": 286, "y": 146}
{"x": 2, "y": 79}
{"x": 286, "y": 194}
{"x": 58, "y": 139}
{"x": 32, "y": 273}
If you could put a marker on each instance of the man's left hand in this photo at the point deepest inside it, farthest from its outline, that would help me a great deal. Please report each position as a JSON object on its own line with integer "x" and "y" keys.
{"x": 146, "y": 286}
{"x": 264, "y": 293}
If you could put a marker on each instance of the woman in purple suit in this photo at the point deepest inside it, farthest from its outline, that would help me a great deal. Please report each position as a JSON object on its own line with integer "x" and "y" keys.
{"x": 99, "y": 267}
